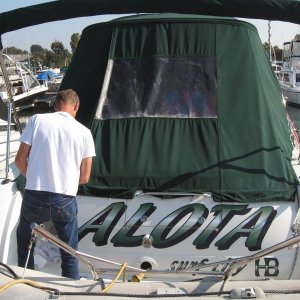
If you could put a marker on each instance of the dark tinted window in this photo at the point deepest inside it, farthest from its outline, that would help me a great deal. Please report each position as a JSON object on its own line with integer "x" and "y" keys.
{"x": 179, "y": 87}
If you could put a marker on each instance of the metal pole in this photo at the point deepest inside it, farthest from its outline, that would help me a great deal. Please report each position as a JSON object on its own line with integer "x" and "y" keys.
{"x": 38, "y": 230}
{"x": 269, "y": 40}
{"x": 247, "y": 259}
{"x": 10, "y": 108}
{"x": 8, "y": 140}
{"x": 9, "y": 92}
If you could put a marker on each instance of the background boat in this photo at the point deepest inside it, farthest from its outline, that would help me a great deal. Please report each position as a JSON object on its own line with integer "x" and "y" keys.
{"x": 289, "y": 75}
{"x": 24, "y": 86}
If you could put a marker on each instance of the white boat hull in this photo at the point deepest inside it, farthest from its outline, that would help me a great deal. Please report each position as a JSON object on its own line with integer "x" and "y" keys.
{"x": 148, "y": 231}
{"x": 290, "y": 94}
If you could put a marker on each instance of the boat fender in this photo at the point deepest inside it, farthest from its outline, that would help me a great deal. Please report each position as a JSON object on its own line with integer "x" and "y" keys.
{"x": 247, "y": 293}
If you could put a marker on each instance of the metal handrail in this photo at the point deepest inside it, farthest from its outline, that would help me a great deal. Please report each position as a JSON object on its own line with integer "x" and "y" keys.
{"x": 9, "y": 106}
{"x": 247, "y": 259}
{"x": 233, "y": 264}
{"x": 38, "y": 230}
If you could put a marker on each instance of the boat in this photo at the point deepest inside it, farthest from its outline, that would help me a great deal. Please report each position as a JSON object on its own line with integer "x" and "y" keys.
{"x": 51, "y": 79}
{"x": 54, "y": 84}
{"x": 276, "y": 66}
{"x": 194, "y": 191}
{"x": 289, "y": 74}
{"x": 25, "y": 88}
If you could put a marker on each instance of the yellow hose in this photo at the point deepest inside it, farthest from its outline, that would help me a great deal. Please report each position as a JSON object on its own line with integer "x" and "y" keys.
{"x": 116, "y": 278}
{"x": 38, "y": 285}
{"x": 17, "y": 281}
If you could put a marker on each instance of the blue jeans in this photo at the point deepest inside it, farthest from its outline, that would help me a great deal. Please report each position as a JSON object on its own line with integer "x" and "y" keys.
{"x": 38, "y": 207}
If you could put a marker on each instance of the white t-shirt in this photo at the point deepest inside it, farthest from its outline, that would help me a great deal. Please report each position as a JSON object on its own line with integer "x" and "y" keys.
{"x": 58, "y": 145}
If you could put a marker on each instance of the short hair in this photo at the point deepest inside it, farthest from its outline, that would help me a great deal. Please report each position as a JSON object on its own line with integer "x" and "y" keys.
{"x": 66, "y": 96}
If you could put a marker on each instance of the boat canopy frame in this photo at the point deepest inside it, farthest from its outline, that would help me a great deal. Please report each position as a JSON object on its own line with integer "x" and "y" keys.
{"x": 278, "y": 10}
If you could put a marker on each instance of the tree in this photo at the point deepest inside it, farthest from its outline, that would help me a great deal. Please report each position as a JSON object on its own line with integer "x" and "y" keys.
{"x": 58, "y": 48}
{"x": 61, "y": 54}
{"x": 35, "y": 48}
{"x": 50, "y": 59}
{"x": 38, "y": 56}
{"x": 14, "y": 50}
{"x": 75, "y": 37}
{"x": 276, "y": 52}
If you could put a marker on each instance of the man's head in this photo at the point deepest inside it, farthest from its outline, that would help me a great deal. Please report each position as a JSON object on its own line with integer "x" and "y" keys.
{"x": 67, "y": 101}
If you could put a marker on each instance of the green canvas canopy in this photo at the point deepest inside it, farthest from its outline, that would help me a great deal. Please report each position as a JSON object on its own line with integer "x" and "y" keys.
{"x": 182, "y": 103}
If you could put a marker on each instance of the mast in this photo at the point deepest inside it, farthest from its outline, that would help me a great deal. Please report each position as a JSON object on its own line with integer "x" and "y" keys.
{"x": 269, "y": 40}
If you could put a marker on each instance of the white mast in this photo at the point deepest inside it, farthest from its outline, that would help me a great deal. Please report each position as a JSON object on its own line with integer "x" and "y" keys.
{"x": 269, "y": 40}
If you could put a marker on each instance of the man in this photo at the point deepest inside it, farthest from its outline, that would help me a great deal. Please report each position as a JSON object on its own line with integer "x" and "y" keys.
{"x": 55, "y": 155}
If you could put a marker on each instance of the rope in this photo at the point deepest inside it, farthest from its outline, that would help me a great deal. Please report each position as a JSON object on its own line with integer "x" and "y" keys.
{"x": 116, "y": 278}
{"x": 12, "y": 272}
{"x": 26, "y": 281}
{"x": 296, "y": 141}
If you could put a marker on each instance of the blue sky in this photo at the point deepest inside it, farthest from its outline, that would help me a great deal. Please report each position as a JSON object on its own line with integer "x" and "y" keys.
{"x": 45, "y": 34}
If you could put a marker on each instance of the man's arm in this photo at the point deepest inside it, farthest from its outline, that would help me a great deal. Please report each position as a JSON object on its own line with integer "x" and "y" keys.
{"x": 21, "y": 158}
{"x": 85, "y": 170}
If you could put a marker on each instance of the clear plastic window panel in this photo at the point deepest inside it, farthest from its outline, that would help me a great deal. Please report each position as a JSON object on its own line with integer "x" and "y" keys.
{"x": 172, "y": 87}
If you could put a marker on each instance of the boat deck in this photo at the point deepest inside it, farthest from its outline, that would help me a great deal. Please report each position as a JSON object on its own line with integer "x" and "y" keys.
{"x": 212, "y": 287}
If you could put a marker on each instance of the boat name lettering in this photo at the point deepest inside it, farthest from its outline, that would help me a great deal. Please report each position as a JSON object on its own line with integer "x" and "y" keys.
{"x": 196, "y": 266}
{"x": 270, "y": 265}
{"x": 253, "y": 227}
